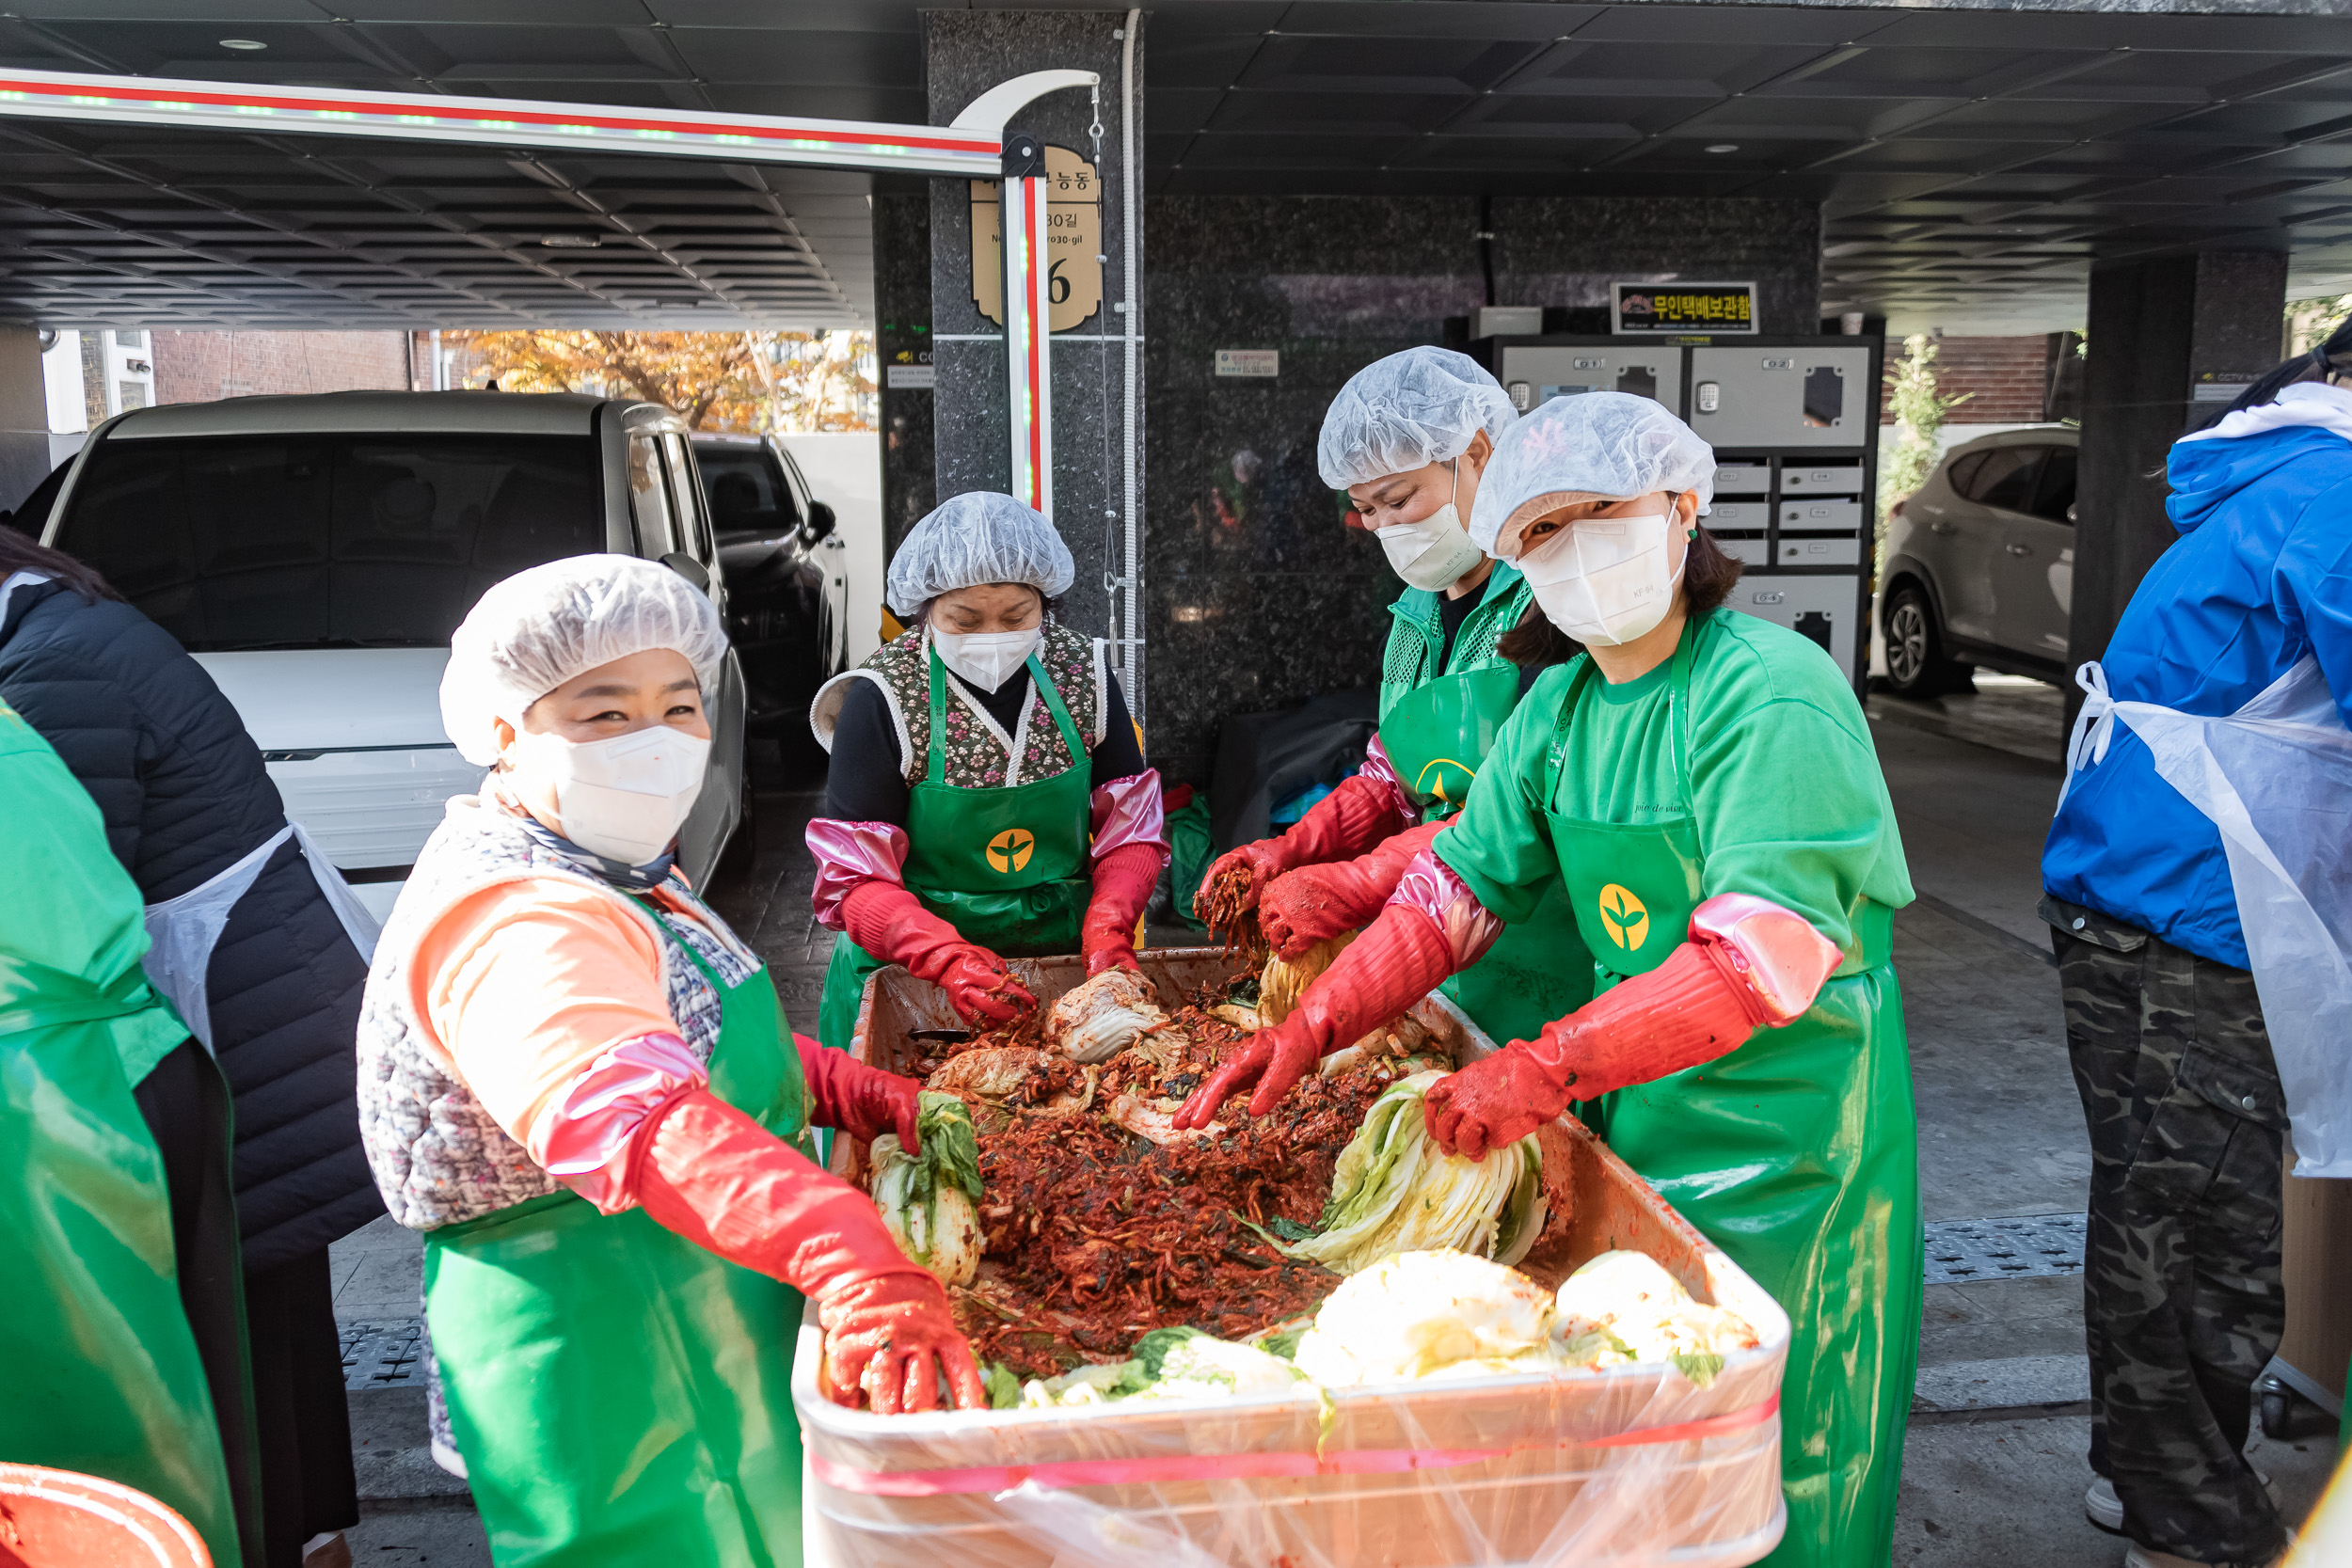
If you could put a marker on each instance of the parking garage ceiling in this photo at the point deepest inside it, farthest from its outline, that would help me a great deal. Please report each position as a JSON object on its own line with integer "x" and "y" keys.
{"x": 1971, "y": 162}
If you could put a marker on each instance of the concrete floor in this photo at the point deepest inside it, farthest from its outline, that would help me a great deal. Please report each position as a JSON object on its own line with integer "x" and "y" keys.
{"x": 1993, "y": 1469}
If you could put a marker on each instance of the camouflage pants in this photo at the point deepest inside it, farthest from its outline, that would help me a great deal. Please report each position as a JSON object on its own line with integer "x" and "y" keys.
{"x": 2181, "y": 1300}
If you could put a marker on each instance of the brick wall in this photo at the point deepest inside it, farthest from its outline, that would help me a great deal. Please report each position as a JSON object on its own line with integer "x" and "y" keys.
{"x": 200, "y": 367}
{"x": 2009, "y": 378}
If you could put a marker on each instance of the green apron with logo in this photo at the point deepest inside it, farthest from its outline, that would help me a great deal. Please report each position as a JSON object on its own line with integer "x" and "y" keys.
{"x": 1006, "y": 867}
{"x": 1796, "y": 1153}
{"x": 1437, "y": 735}
{"x": 619, "y": 1394}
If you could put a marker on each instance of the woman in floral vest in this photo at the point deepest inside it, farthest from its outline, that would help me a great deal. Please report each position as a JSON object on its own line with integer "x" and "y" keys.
{"x": 988, "y": 795}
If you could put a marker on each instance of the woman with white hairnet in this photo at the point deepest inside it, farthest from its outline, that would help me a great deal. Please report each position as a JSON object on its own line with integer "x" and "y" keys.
{"x": 577, "y": 1083}
{"x": 1408, "y": 439}
{"x": 988, "y": 794}
{"x": 1703, "y": 787}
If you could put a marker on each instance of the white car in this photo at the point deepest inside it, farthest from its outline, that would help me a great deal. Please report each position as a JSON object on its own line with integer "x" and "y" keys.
{"x": 316, "y": 553}
{"x": 1980, "y": 563}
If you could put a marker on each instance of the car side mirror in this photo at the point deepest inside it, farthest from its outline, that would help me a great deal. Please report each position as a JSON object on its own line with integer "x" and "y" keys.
{"x": 687, "y": 568}
{"x": 821, "y": 522}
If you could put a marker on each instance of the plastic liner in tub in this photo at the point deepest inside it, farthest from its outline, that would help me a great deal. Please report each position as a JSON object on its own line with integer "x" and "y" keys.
{"x": 1626, "y": 1466}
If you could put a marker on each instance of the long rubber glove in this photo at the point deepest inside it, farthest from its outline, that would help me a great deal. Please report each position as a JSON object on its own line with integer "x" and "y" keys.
{"x": 1123, "y": 881}
{"x": 714, "y": 1176}
{"x": 1375, "y": 977}
{"x": 846, "y": 1094}
{"x": 1749, "y": 964}
{"x": 1316, "y": 903}
{"x": 892, "y": 924}
{"x": 1357, "y": 815}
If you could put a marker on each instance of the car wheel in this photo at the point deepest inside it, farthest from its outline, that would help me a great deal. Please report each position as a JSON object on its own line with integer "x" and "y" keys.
{"x": 1917, "y": 665}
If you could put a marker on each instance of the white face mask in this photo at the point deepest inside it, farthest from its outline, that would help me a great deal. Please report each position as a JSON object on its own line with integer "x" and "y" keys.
{"x": 625, "y": 798}
{"x": 986, "y": 658}
{"x": 1604, "y": 580}
{"x": 1433, "y": 553}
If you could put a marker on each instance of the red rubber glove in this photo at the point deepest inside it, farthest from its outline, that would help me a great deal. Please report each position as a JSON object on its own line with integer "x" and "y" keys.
{"x": 1357, "y": 815}
{"x": 1123, "y": 881}
{"x": 1380, "y": 975}
{"x": 892, "y": 924}
{"x": 1749, "y": 964}
{"x": 1316, "y": 903}
{"x": 846, "y": 1094}
{"x": 714, "y": 1176}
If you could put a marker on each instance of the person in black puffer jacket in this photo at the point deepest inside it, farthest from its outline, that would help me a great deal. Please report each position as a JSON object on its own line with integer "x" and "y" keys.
{"x": 185, "y": 796}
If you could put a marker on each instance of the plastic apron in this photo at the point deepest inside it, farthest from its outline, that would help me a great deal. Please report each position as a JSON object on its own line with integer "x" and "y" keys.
{"x": 620, "y": 1394}
{"x": 103, "y": 1373}
{"x": 2276, "y": 779}
{"x": 1797, "y": 1154}
{"x": 1006, "y": 867}
{"x": 1437, "y": 737}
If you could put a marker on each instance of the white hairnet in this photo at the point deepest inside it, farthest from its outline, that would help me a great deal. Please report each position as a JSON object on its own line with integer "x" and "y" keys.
{"x": 1407, "y": 411}
{"x": 538, "y": 629}
{"x": 979, "y": 537}
{"x": 1584, "y": 447}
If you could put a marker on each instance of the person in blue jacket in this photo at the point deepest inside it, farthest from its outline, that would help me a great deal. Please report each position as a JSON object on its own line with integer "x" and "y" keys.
{"x": 2180, "y": 1084}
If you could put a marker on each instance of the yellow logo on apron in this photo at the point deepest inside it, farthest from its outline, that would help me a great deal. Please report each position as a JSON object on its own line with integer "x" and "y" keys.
{"x": 1624, "y": 917}
{"x": 1010, "y": 850}
{"x": 1436, "y": 790}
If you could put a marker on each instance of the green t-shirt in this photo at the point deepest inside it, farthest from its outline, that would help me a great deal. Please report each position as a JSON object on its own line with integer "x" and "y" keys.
{"x": 1786, "y": 790}
{"x": 76, "y": 912}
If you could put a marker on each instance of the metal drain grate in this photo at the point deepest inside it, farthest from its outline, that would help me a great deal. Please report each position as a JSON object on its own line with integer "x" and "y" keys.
{"x": 1968, "y": 1252}
{"x": 383, "y": 1354}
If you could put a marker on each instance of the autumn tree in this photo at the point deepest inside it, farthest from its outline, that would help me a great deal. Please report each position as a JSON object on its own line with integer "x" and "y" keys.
{"x": 739, "y": 381}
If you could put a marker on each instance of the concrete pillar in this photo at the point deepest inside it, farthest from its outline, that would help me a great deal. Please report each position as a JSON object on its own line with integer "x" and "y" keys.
{"x": 2159, "y": 330}
{"x": 967, "y": 53}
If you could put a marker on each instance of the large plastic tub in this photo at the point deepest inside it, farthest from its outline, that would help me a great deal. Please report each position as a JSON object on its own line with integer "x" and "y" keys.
{"x": 1633, "y": 1466}
{"x": 61, "y": 1519}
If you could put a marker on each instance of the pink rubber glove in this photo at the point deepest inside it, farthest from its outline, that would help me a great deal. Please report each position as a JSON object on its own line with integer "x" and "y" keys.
{"x": 1123, "y": 881}
{"x": 892, "y": 924}
{"x": 1749, "y": 964}
{"x": 847, "y": 1095}
{"x": 1375, "y": 977}
{"x": 1316, "y": 903}
{"x": 1358, "y": 814}
{"x": 714, "y": 1176}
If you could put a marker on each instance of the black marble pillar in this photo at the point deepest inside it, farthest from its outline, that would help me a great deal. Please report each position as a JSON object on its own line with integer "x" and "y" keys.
{"x": 2158, "y": 330}
{"x": 902, "y": 344}
{"x": 1258, "y": 598}
{"x": 967, "y": 53}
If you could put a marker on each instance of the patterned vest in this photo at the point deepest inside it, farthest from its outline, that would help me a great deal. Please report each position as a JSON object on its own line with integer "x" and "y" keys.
{"x": 981, "y": 755}
{"x": 439, "y": 1157}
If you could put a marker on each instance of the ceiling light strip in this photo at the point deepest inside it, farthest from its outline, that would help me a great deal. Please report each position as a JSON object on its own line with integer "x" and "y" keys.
{"x": 497, "y": 121}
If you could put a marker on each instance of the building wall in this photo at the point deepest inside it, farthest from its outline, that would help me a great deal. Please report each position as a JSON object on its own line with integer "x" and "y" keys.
{"x": 202, "y": 367}
{"x": 2007, "y": 380}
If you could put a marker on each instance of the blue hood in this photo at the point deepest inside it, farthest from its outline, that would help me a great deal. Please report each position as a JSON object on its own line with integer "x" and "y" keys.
{"x": 2206, "y": 473}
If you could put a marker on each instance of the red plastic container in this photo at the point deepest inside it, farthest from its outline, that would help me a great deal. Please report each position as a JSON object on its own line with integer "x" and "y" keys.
{"x": 58, "y": 1519}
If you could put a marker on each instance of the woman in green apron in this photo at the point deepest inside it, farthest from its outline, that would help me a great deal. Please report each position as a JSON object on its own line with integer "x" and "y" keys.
{"x": 1407, "y": 438}
{"x": 578, "y": 1084}
{"x": 103, "y": 1375}
{"x": 988, "y": 795}
{"x": 1704, "y": 788}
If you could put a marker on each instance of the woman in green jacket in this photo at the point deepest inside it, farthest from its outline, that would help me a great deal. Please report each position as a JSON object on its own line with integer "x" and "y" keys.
{"x": 1407, "y": 438}
{"x": 1703, "y": 787}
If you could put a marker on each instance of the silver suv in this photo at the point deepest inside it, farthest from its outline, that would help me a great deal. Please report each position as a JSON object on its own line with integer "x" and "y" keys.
{"x": 1979, "y": 564}
{"x": 316, "y": 553}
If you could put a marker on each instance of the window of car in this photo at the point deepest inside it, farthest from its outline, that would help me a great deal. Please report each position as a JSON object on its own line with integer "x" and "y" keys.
{"x": 1963, "y": 470}
{"x": 686, "y": 499}
{"x": 328, "y": 541}
{"x": 2054, "y": 493}
{"x": 749, "y": 495}
{"x": 2003, "y": 477}
{"x": 649, "y": 497}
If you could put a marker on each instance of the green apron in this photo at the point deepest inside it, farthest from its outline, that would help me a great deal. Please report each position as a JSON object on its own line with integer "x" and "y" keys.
{"x": 1006, "y": 867}
{"x": 1797, "y": 1154}
{"x": 619, "y": 1394}
{"x": 1437, "y": 735}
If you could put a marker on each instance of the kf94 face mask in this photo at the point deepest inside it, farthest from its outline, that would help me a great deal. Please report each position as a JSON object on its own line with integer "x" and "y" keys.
{"x": 1604, "y": 579}
{"x": 624, "y": 797}
{"x": 1433, "y": 553}
{"x": 986, "y": 658}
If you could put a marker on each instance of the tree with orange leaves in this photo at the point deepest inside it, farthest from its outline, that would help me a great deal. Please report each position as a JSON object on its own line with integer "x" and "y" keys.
{"x": 721, "y": 380}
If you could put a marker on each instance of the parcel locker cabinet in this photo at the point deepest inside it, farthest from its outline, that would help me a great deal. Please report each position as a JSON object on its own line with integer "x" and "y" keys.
{"x": 1794, "y": 425}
